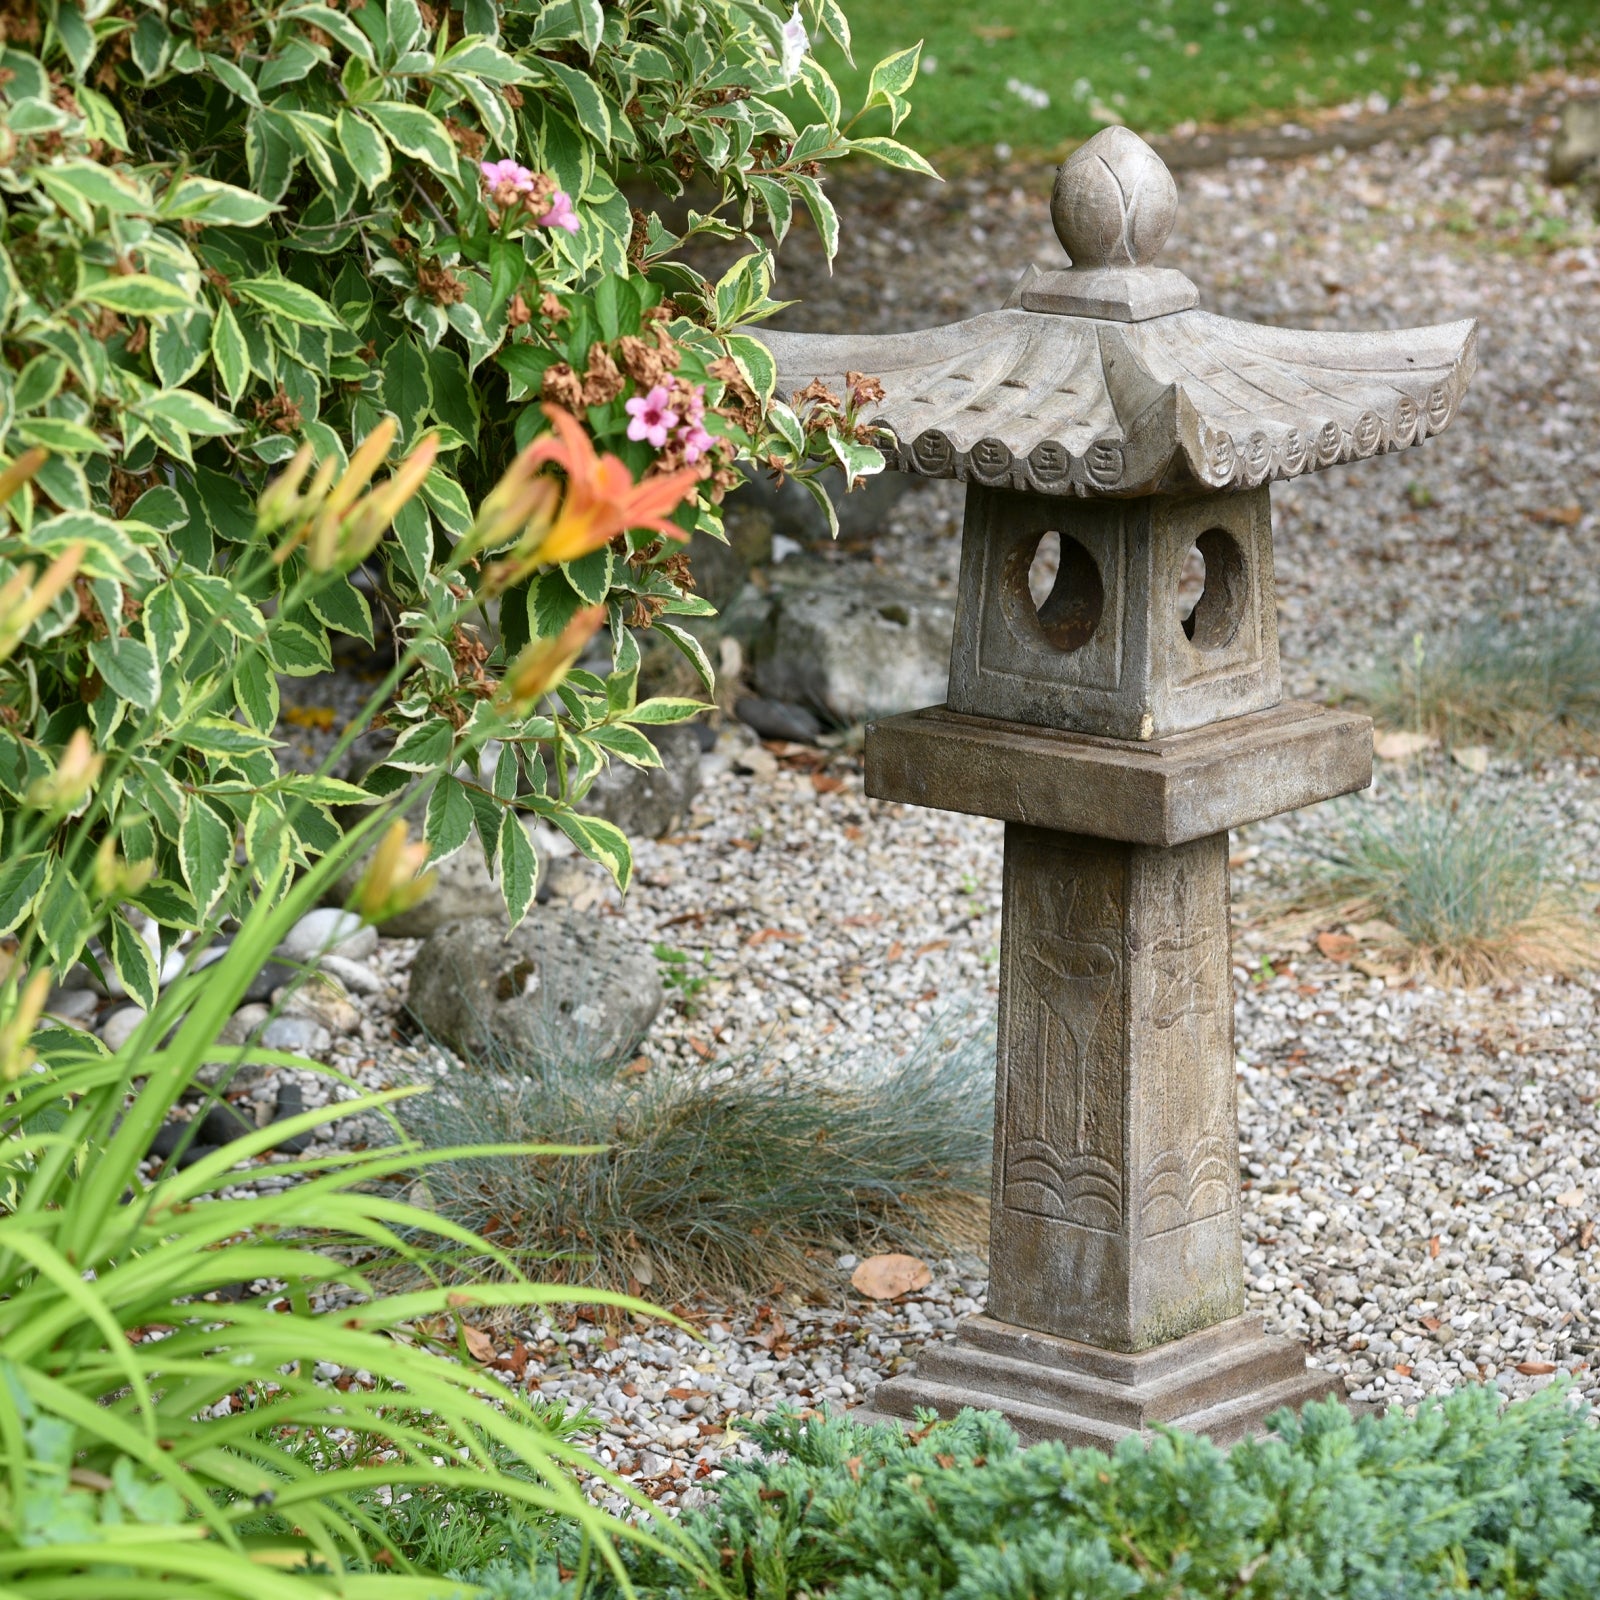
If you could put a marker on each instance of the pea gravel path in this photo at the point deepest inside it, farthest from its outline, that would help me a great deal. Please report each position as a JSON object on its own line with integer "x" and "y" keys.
{"x": 1423, "y": 1165}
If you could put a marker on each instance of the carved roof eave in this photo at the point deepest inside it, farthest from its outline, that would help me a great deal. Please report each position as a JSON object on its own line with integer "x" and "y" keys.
{"x": 1074, "y": 405}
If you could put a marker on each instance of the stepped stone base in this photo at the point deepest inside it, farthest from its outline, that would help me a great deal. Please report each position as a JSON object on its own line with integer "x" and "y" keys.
{"x": 1224, "y": 1382}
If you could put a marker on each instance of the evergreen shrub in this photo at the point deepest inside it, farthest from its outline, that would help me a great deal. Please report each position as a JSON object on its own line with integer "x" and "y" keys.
{"x": 1468, "y": 1497}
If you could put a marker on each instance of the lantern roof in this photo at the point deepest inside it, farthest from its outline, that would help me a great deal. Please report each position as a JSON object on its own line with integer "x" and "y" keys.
{"x": 1106, "y": 379}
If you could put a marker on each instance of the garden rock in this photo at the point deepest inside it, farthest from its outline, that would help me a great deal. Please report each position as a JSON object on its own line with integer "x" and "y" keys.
{"x": 722, "y": 570}
{"x": 76, "y": 1006}
{"x": 855, "y": 647}
{"x": 325, "y": 929}
{"x": 777, "y": 719}
{"x": 356, "y": 976}
{"x": 562, "y": 986}
{"x": 119, "y": 1027}
{"x": 647, "y": 803}
{"x": 321, "y": 1002}
{"x": 268, "y": 979}
{"x": 1575, "y": 154}
{"x": 303, "y": 1035}
{"x": 796, "y": 515}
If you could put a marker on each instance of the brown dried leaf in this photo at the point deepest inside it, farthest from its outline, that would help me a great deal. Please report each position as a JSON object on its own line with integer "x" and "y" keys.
{"x": 1336, "y": 946}
{"x": 479, "y": 1345}
{"x": 1536, "y": 1369}
{"x": 890, "y": 1276}
{"x": 1557, "y": 516}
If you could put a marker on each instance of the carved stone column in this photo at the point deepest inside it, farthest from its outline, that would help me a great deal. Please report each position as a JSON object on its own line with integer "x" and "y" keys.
{"x": 1116, "y": 1175}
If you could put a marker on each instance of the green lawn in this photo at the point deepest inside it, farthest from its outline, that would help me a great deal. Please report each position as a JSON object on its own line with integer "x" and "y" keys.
{"x": 1157, "y": 63}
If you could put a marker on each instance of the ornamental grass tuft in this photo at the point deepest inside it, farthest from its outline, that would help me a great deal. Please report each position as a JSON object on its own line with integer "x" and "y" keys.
{"x": 1466, "y": 884}
{"x": 1533, "y": 689}
{"x": 722, "y": 1179}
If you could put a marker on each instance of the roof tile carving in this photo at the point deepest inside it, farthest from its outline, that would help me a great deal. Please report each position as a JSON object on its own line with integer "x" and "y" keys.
{"x": 1087, "y": 383}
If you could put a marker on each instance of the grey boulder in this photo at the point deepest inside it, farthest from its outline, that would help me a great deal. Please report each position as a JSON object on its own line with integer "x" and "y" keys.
{"x": 852, "y": 646}
{"x": 562, "y": 987}
{"x": 1575, "y": 153}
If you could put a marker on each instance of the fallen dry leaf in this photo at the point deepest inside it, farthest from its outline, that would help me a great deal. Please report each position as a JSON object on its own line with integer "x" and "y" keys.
{"x": 1433, "y": 1248}
{"x": 888, "y": 1277}
{"x": 826, "y": 783}
{"x": 1535, "y": 1369}
{"x": 1405, "y": 1372}
{"x": 479, "y": 1345}
{"x": 1432, "y": 1324}
{"x": 767, "y": 935}
{"x": 1586, "y": 1236}
{"x": 1377, "y": 931}
{"x": 1336, "y": 946}
{"x": 1557, "y": 516}
{"x": 1473, "y": 758}
{"x": 1400, "y": 745}
{"x": 1572, "y": 1199}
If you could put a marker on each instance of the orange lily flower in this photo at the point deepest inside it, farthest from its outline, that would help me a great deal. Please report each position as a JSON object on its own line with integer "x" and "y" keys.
{"x": 601, "y": 501}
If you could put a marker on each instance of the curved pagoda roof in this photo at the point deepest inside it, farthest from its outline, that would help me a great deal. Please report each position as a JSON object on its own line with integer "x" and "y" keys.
{"x": 1105, "y": 379}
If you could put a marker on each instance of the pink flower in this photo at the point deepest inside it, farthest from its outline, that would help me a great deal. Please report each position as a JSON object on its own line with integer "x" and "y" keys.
{"x": 696, "y": 442}
{"x": 651, "y": 418}
{"x": 506, "y": 174}
{"x": 560, "y": 214}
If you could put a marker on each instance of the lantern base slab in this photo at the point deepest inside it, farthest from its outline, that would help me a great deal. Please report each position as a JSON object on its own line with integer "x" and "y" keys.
{"x": 1224, "y": 1382}
{"x": 1163, "y": 791}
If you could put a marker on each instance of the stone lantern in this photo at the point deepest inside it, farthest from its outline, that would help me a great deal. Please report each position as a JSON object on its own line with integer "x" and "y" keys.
{"x": 1107, "y": 427}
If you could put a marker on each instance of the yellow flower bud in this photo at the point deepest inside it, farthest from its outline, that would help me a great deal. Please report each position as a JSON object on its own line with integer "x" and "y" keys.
{"x": 77, "y": 772}
{"x": 16, "y": 1054}
{"x": 22, "y": 601}
{"x": 115, "y": 878}
{"x": 394, "y": 880}
{"x": 543, "y": 664}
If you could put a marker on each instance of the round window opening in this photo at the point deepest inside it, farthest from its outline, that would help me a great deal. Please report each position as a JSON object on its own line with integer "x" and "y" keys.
{"x": 1055, "y": 586}
{"x": 1211, "y": 590}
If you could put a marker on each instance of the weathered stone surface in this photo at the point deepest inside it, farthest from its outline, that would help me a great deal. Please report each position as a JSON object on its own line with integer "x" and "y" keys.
{"x": 1575, "y": 154}
{"x": 328, "y": 928}
{"x": 303, "y": 1035}
{"x": 562, "y": 985}
{"x": 647, "y": 803}
{"x": 777, "y": 719}
{"x": 851, "y": 647}
{"x": 1223, "y": 1382}
{"x": 1163, "y": 791}
{"x": 797, "y": 516}
{"x": 1107, "y": 386}
{"x": 1116, "y": 1186}
{"x": 119, "y": 1027}
{"x": 1108, "y": 642}
{"x": 76, "y": 1006}
{"x": 722, "y": 570}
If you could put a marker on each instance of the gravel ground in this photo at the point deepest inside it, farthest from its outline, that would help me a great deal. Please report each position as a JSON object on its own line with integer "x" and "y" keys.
{"x": 1423, "y": 1165}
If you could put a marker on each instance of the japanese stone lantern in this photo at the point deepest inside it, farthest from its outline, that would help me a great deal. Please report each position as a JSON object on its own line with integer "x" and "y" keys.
{"x": 1105, "y": 425}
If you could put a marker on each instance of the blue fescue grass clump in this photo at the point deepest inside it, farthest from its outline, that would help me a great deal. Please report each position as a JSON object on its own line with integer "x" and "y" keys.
{"x": 1468, "y": 1497}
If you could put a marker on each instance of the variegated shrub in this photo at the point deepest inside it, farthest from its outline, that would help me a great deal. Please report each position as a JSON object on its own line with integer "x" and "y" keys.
{"x": 230, "y": 226}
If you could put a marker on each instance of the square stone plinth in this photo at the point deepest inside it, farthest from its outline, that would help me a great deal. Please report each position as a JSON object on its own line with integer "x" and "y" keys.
{"x": 1223, "y": 1382}
{"x": 1161, "y": 791}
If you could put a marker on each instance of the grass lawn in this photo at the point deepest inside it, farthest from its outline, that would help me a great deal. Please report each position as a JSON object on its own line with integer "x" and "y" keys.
{"x": 1039, "y": 74}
